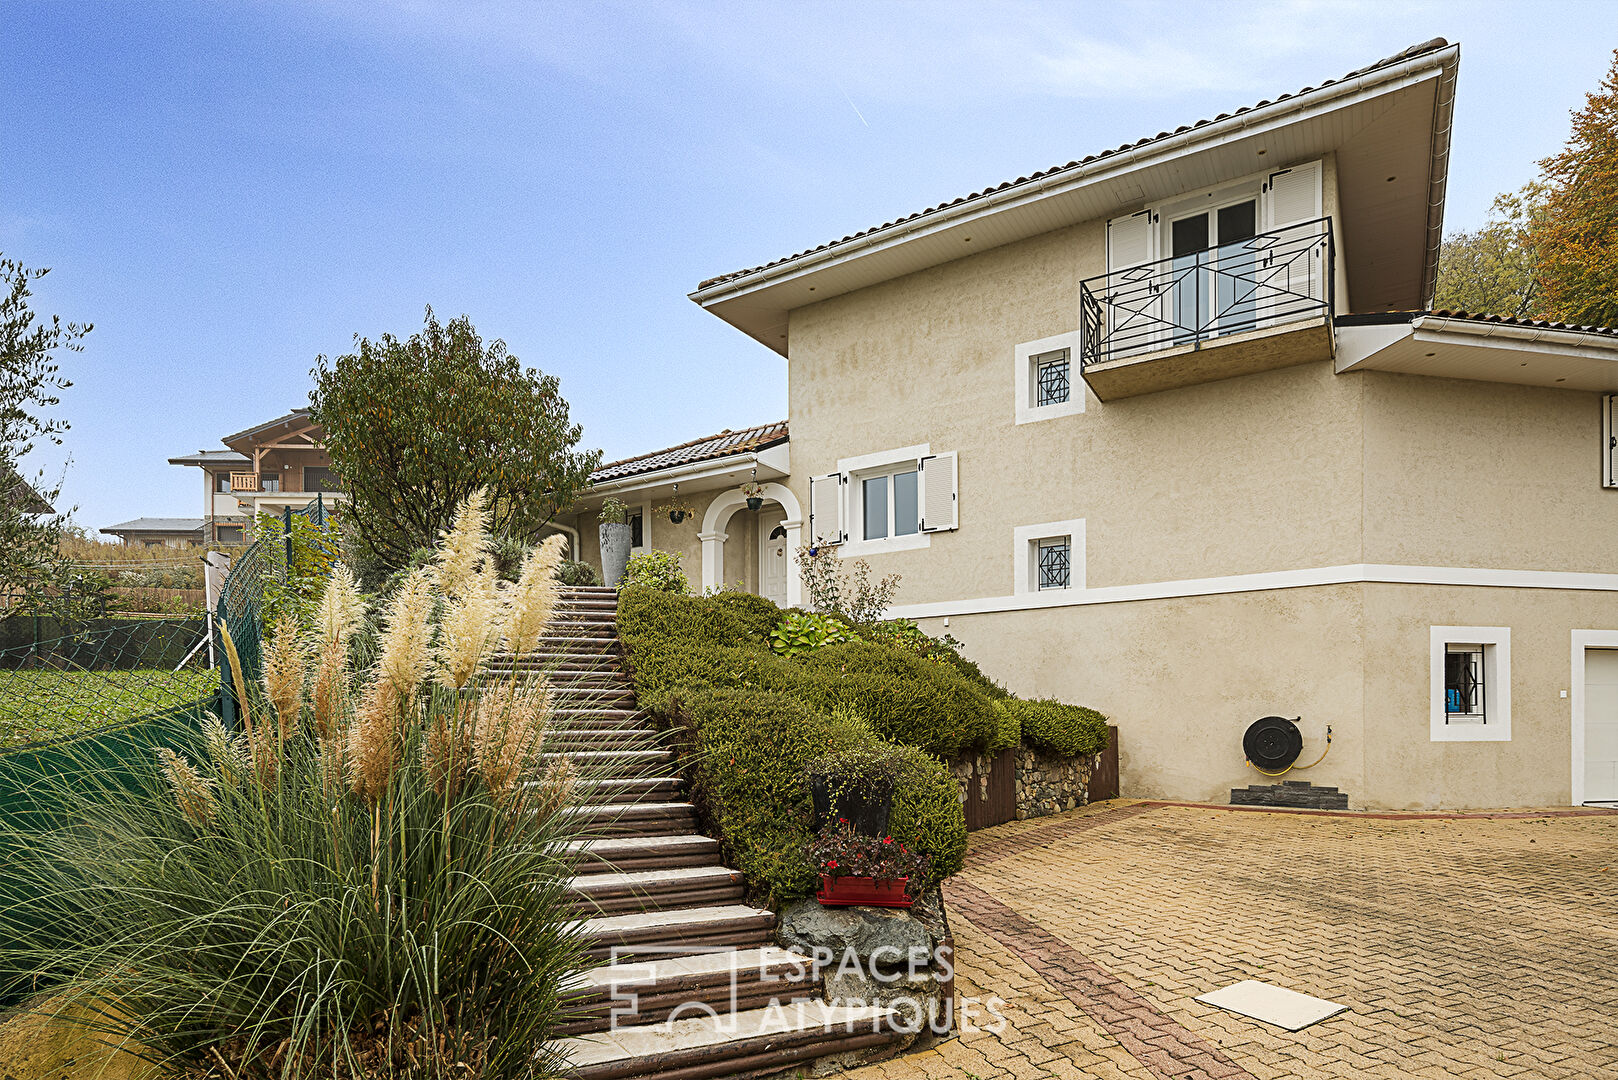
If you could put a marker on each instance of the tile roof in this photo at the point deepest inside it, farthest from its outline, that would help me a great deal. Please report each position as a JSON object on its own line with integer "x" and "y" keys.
{"x": 146, "y": 524}
{"x": 1472, "y": 316}
{"x": 295, "y": 414}
{"x": 725, "y": 444}
{"x": 211, "y": 457}
{"x": 1415, "y": 50}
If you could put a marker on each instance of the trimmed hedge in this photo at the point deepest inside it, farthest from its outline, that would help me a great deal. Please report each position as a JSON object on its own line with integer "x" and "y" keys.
{"x": 1055, "y": 728}
{"x": 752, "y": 751}
{"x": 907, "y": 699}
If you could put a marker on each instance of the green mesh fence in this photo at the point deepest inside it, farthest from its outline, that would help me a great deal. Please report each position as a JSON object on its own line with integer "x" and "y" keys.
{"x": 258, "y": 581}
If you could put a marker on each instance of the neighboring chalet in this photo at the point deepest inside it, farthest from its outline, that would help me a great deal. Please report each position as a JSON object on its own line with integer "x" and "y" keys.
{"x": 266, "y": 468}
{"x": 1171, "y": 431}
{"x": 158, "y": 532}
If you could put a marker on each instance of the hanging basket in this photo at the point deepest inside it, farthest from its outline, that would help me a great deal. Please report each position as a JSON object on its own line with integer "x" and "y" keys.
{"x": 863, "y": 892}
{"x": 676, "y": 516}
{"x": 754, "y": 503}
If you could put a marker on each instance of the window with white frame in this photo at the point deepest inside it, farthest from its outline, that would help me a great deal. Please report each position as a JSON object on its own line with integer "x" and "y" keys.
{"x": 1470, "y": 688}
{"x": 893, "y": 500}
{"x": 1049, "y": 558}
{"x": 888, "y": 503}
{"x": 1044, "y": 383}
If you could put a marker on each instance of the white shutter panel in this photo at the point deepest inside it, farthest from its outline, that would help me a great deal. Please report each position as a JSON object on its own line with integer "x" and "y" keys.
{"x": 1292, "y": 196}
{"x": 1609, "y": 441}
{"x": 939, "y": 512}
{"x": 826, "y": 509}
{"x": 1129, "y": 241}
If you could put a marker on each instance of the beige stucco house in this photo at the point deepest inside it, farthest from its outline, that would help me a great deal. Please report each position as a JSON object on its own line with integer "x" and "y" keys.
{"x": 1171, "y": 431}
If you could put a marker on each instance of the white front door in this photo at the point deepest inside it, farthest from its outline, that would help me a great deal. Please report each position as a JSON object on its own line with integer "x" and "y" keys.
{"x": 1601, "y": 726}
{"x": 772, "y": 556}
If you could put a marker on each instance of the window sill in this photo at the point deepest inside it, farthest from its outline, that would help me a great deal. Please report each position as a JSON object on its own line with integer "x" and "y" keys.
{"x": 850, "y": 549}
{"x": 1035, "y": 413}
{"x": 1471, "y": 731}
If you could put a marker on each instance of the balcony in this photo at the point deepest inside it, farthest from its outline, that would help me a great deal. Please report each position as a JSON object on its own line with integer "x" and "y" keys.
{"x": 243, "y": 481}
{"x": 1253, "y": 305}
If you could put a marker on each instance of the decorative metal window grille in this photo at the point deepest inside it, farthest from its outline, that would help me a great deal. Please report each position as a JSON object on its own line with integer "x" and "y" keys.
{"x": 1056, "y": 563}
{"x": 1463, "y": 683}
{"x": 1051, "y": 385}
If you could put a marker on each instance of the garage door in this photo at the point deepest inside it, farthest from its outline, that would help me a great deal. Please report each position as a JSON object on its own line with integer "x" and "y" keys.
{"x": 1601, "y": 726}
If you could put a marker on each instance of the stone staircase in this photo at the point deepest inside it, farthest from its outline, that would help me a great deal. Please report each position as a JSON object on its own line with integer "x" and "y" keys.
{"x": 691, "y": 984}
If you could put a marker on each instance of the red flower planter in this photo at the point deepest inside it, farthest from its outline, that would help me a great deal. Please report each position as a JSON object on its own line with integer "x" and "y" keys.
{"x": 863, "y": 891}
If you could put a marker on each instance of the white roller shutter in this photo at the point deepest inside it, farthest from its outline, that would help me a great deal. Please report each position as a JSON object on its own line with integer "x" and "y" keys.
{"x": 1129, "y": 241}
{"x": 826, "y": 509}
{"x": 939, "y": 480}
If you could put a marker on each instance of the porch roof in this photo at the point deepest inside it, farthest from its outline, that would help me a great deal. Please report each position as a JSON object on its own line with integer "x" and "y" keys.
{"x": 708, "y": 448}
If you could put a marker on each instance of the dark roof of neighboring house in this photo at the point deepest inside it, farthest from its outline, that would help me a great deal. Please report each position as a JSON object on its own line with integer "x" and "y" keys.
{"x": 295, "y": 414}
{"x": 156, "y": 525}
{"x": 211, "y": 457}
{"x": 724, "y": 444}
{"x": 1415, "y": 50}
{"x": 1389, "y": 317}
{"x": 25, "y": 495}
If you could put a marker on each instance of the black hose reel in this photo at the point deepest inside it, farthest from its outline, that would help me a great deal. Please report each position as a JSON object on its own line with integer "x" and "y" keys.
{"x": 1273, "y": 743}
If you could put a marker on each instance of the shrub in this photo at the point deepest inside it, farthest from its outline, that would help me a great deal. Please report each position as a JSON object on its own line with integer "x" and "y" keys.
{"x": 906, "y": 635}
{"x": 907, "y": 700}
{"x": 844, "y": 587}
{"x": 800, "y": 632}
{"x": 659, "y": 570}
{"x": 753, "y": 753}
{"x": 1063, "y": 730}
{"x": 754, "y": 616}
{"x": 839, "y": 851}
{"x": 1007, "y": 731}
{"x": 569, "y": 572}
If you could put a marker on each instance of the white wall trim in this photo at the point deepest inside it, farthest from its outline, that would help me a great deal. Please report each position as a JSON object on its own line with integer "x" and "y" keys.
{"x": 1582, "y": 640}
{"x": 884, "y": 457}
{"x": 1025, "y": 411}
{"x": 1023, "y": 568}
{"x": 1349, "y": 574}
{"x": 1496, "y": 725}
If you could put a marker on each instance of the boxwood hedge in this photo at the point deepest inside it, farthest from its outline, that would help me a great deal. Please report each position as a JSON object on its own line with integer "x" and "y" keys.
{"x": 1055, "y": 728}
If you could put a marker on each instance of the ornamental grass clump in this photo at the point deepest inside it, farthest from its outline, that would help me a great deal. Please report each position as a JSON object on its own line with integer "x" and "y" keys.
{"x": 368, "y": 879}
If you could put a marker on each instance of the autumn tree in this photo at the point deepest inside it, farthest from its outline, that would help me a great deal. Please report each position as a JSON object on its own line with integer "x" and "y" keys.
{"x": 1492, "y": 270}
{"x": 414, "y": 426}
{"x": 1575, "y": 236}
{"x": 31, "y": 563}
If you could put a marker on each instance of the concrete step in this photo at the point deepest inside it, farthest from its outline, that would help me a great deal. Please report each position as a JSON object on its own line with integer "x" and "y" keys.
{"x": 638, "y": 789}
{"x": 645, "y": 992}
{"x": 636, "y": 819}
{"x": 602, "y": 738}
{"x": 613, "y": 764}
{"x": 700, "y": 1047}
{"x": 657, "y": 890}
{"x": 599, "y": 717}
{"x": 660, "y": 934}
{"x": 576, "y": 645}
{"x": 624, "y": 854}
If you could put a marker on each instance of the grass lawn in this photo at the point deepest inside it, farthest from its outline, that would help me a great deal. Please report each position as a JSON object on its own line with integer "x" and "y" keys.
{"x": 40, "y": 703}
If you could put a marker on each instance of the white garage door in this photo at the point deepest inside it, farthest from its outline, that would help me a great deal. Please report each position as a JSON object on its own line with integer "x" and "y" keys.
{"x": 1601, "y": 726}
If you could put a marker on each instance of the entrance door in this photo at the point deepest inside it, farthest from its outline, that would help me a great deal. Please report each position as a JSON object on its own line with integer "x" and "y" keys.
{"x": 1601, "y": 726}
{"x": 772, "y": 556}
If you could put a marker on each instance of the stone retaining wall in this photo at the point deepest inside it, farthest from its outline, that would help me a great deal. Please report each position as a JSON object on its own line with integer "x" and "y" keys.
{"x": 1044, "y": 784}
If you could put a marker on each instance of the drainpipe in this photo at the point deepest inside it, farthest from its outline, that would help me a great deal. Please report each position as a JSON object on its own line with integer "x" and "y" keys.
{"x": 577, "y": 548}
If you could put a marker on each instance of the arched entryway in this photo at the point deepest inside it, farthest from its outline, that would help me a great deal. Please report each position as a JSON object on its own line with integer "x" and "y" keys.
{"x": 778, "y": 526}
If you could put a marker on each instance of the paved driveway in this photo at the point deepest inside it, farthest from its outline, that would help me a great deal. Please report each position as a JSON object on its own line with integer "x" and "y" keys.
{"x": 1464, "y": 947}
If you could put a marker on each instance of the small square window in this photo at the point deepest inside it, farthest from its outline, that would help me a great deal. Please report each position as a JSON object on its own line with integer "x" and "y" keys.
{"x": 1464, "y": 684}
{"x": 1055, "y": 563}
{"x": 1051, "y": 383}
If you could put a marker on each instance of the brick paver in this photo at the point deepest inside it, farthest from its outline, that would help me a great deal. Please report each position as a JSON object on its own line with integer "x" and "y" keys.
{"x": 1463, "y": 946}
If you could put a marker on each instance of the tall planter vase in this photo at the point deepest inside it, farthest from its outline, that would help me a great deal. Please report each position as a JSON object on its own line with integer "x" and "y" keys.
{"x": 614, "y": 552}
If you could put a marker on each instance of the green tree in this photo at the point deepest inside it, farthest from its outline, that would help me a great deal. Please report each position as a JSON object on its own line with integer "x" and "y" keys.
{"x": 1576, "y": 236}
{"x": 31, "y": 562}
{"x": 1492, "y": 270}
{"x": 414, "y": 426}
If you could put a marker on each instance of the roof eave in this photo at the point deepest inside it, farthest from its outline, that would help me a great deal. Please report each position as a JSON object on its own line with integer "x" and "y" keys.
{"x": 689, "y": 470}
{"x": 1439, "y": 63}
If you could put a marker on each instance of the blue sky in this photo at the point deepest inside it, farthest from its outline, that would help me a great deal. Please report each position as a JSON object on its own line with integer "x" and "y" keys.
{"x": 229, "y": 189}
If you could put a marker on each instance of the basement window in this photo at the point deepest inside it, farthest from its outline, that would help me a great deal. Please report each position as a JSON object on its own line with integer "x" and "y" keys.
{"x": 1470, "y": 690}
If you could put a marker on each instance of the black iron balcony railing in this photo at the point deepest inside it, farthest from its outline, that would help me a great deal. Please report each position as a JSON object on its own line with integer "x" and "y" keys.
{"x": 1266, "y": 281}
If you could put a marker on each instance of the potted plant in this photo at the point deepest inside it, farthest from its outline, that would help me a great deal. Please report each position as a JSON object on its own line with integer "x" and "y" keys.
{"x": 754, "y": 494}
{"x": 856, "y": 787}
{"x": 616, "y": 539}
{"x": 870, "y": 871}
{"x": 676, "y": 508}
